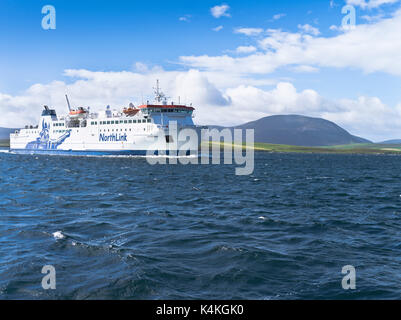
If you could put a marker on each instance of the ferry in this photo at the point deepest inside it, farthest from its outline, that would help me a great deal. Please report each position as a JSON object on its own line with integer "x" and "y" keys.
{"x": 149, "y": 129}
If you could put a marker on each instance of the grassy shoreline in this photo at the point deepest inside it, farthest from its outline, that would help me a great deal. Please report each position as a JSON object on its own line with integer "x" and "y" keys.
{"x": 4, "y": 143}
{"x": 365, "y": 148}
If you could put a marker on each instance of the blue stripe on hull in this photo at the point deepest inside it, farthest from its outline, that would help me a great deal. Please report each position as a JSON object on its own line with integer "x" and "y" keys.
{"x": 91, "y": 152}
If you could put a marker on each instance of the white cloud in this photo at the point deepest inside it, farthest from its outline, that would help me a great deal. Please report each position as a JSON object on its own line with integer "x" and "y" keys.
{"x": 304, "y": 69}
{"x": 374, "y": 18}
{"x": 245, "y": 49}
{"x": 279, "y": 16}
{"x": 368, "y": 47}
{"x": 249, "y": 31}
{"x": 307, "y": 28}
{"x": 216, "y": 102}
{"x": 141, "y": 67}
{"x": 217, "y": 29}
{"x": 186, "y": 18}
{"x": 220, "y": 11}
{"x": 370, "y": 4}
{"x": 336, "y": 28}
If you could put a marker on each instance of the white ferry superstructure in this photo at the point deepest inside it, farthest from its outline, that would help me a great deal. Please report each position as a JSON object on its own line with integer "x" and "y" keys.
{"x": 141, "y": 130}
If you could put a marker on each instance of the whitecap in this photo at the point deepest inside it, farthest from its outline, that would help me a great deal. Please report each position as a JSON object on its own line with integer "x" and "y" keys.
{"x": 58, "y": 235}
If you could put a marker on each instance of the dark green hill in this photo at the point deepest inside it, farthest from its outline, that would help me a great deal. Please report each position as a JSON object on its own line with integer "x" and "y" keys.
{"x": 300, "y": 131}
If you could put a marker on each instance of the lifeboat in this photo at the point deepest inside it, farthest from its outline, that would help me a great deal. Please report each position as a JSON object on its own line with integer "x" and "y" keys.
{"x": 78, "y": 113}
{"x": 130, "y": 111}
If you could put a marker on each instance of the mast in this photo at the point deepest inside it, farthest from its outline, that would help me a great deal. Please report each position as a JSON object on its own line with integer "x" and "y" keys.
{"x": 159, "y": 95}
{"x": 68, "y": 103}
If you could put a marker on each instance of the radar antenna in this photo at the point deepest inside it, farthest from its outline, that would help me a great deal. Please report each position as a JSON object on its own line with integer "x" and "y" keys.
{"x": 159, "y": 95}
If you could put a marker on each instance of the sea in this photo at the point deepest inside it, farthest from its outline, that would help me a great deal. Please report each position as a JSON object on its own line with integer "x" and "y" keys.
{"x": 120, "y": 228}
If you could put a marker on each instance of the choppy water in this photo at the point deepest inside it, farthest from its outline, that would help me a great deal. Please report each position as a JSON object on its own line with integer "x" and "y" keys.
{"x": 118, "y": 228}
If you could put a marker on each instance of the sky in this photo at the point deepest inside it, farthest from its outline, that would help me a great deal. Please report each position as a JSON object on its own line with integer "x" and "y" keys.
{"x": 236, "y": 61}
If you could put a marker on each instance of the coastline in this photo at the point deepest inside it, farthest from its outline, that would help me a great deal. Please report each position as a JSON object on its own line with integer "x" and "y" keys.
{"x": 365, "y": 148}
{"x": 4, "y": 143}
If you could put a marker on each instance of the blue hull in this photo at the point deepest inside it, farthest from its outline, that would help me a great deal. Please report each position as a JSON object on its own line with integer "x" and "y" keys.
{"x": 93, "y": 152}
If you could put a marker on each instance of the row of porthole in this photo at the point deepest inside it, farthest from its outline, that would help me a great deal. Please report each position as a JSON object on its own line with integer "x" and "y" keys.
{"x": 112, "y": 130}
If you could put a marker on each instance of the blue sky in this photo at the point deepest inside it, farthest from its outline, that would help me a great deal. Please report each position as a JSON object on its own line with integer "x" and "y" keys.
{"x": 105, "y": 35}
{"x": 113, "y": 36}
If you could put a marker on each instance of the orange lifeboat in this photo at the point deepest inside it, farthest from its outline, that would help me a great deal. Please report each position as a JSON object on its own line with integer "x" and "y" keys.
{"x": 79, "y": 112}
{"x": 131, "y": 110}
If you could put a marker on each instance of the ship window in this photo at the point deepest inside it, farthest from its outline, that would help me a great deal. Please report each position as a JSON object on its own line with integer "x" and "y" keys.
{"x": 125, "y": 121}
{"x": 134, "y": 121}
{"x": 121, "y": 121}
{"x": 112, "y": 122}
{"x": 149, "y": 121}
{"x": 130, "y": 121}
{"x": 108, "y": 122}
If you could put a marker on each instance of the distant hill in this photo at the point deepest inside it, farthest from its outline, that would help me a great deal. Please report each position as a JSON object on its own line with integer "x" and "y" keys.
{"x": 5, "y": 133}
{"x": 300, "y": 131}
{"x": 395, "y": 141}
